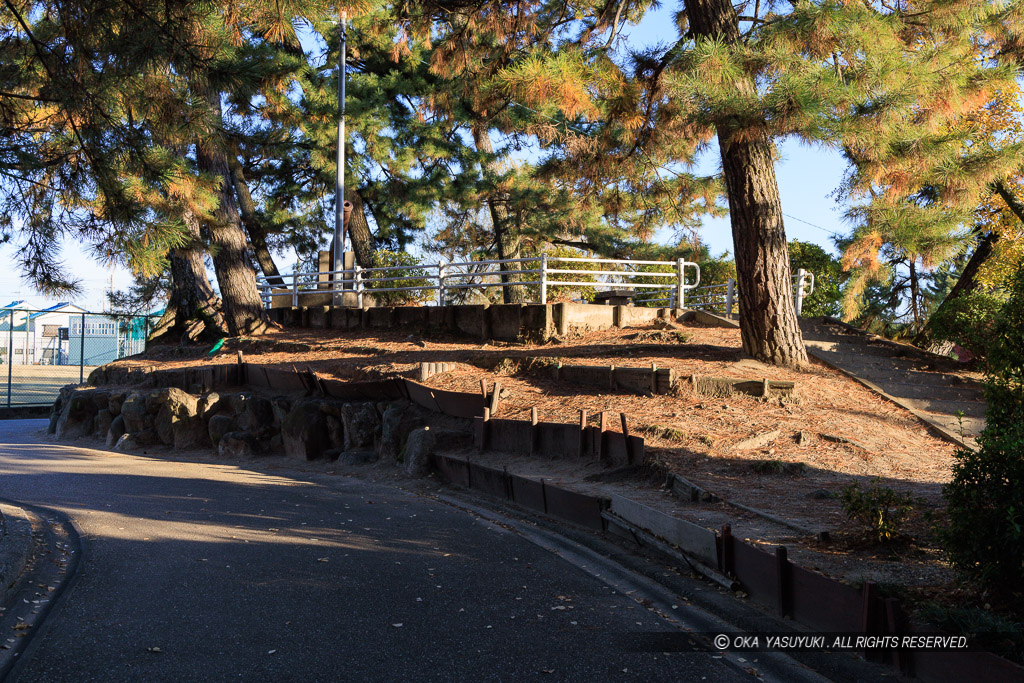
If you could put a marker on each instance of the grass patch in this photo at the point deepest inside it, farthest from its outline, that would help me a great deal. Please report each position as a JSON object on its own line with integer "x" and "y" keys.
{"x": 776, "y": 467}
{"x": 660, "y": 432}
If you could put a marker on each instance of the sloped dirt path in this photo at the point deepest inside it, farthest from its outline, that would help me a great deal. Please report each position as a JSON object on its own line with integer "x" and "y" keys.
{"x": 931, "y": 387}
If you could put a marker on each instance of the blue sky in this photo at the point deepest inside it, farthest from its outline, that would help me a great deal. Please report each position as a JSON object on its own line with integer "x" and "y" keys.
{"x": 806, "y": 175}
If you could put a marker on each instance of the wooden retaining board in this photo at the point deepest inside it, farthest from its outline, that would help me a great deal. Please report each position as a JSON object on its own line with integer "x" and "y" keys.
{"x": 508, "y": 436}
{"x": 576, "y": 507}
{"x": 528, "y": 492}
{"x": 824, "y": 603}
{"x": 757, "y": 572}
{"x": 488, "y": 480}
{"x": 453, "y": 470}
{"x": 459, "y": 404}
{"x": 557, "y": 440}
{"x": 422, "y": 396}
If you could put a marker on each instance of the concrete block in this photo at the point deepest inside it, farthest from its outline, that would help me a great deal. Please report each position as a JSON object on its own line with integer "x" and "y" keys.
{"x": 505, "y": 321}
{"x": 441, "y": 318}
{"x": 414, "y": 318}
{"x": 537, "y": 323}
{"x": 354, "y": 318}
{"x": 583, "y": 317}
{"x": 693, "y": 540}
{"x": 379, "y": 318}
{"x": 636, "y": 380}
{"x": 471, "y": 320}
{"x": 337, "y": 318}
{"x": 309, "y": 299}
{"x": 291, "y": 317}
{"x": 629, "y": 316}
{"x": 280, "y": 297}
{"x": 596, "y": 375}
{"x": 318, "y": 317}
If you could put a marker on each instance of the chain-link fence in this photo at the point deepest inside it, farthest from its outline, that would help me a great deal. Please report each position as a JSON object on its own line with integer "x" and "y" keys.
{"x": 41, "y": 350}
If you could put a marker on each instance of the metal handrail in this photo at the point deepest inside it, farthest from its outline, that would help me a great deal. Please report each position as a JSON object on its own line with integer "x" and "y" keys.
{"x": 441, "y": 277}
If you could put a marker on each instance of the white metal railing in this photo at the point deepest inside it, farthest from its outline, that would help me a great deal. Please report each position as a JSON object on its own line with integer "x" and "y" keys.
{"x": 724, "y": 297}
{"x": 445, "y": 278}
{"x": 467, "y": 275}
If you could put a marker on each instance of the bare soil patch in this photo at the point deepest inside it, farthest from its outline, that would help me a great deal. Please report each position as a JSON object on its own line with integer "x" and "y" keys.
{"x": 832, "y": 431}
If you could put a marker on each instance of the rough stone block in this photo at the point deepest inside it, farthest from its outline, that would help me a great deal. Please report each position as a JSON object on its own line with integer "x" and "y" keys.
{"x": 304, "y": 431}
{"x": 362, "y": 425}
{"x": 218, "y": 426}
{"x": 77, "y": 416}
{"x": 418, "y": 449}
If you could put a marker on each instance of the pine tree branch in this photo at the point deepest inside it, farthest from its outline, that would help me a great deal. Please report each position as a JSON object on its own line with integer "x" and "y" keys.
{"x": 1014, "y": 204}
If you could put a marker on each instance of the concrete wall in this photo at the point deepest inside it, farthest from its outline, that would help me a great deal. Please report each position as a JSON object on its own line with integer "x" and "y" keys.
{"x": 504, "y": 322}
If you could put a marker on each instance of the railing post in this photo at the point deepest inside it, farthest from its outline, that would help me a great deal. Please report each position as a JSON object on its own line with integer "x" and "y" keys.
{"x": 543, "y": 278}
{"x": 10, "y": 356}
{"x": 730, "y": 295}
{"x": 81, "y": 350}
{"x": 679, "y": 283}
{"x": 295, "y": 289}
{"x": 799, "y": 290}
{"x": 440, "y": 284}
{"x": 359, "y": 284}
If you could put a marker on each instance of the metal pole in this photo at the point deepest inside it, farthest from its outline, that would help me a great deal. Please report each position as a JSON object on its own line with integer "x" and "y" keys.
{"x": 81, "y": 354}
{"x": 543, "y": 278}
{"x": 679, "y": 282}
{"x": 10, "y": 357}
{"x": 800, "y": 275}
{"x": 339, "y": 188}
{"x": 440, "y": 284}
{"x": 359, "y": 285}
{"x": 730, "y": 296}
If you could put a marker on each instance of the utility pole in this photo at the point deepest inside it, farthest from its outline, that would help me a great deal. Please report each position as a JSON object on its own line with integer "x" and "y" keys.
{"x": 339, "y": 190}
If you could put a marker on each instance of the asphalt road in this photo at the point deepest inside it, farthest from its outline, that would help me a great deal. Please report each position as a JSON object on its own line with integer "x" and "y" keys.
{"x": 204, "y": 570}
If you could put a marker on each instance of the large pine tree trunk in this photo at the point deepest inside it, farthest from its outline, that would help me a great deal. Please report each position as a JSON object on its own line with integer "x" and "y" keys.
{"x": 505, "y": 238}
{"x": 768, "y": 323}
{"x": 192, "y": 307}
{"x": 363, "y": 243}
{"x": 253, "y": 225}
{"x": 243, "y": 310}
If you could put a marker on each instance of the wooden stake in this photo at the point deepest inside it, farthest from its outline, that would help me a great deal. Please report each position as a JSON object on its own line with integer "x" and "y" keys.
{"x": 495, "y": 397}
{"x": 483, "y": 387}
{"x": 533, "y": 430}
{"x": 601, "y": 436}
{"x": 625, "y": 438}
{"x": 423, "y": 372}
{"x": 583, "y": 431}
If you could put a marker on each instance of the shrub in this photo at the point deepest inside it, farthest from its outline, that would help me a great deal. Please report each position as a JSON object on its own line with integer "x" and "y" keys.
{"x": 969, "y": 320}
{"x": 985, "y": 497}
{"x": 399, "y": 259}
{"x": 879, "y": 509}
